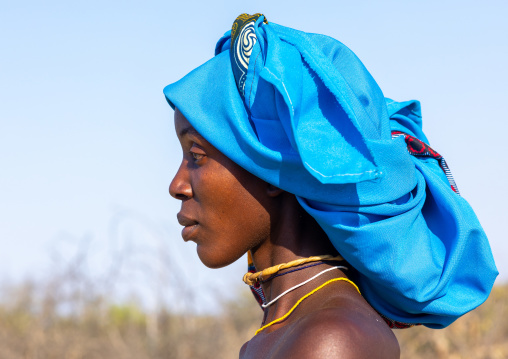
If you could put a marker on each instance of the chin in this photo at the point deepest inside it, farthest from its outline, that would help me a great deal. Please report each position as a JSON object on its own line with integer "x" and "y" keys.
{"x": 213, "y": 258}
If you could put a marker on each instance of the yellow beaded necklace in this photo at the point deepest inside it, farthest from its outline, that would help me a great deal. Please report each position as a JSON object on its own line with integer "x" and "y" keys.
{"x": 302, "y": 299}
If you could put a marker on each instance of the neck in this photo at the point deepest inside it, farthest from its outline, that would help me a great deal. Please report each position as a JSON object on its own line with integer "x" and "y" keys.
{"x": 295, "y": 235}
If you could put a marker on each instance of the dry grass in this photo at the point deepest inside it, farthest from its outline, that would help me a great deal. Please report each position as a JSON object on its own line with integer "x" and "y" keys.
{"x": 481, "y": 334}
{"x": 40, "y": 322}
{"x": 32, "y": 327}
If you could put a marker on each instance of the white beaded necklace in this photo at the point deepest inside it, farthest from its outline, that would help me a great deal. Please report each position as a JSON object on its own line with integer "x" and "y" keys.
{"x": 299, "y": 285}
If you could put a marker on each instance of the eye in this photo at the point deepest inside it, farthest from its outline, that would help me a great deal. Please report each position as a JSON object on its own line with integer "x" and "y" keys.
{"x": 196, "y": 153}
{"x": 196, "y": 156}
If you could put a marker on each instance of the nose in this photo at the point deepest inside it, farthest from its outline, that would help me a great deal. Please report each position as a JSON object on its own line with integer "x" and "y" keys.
{"x": 180, "y": 187}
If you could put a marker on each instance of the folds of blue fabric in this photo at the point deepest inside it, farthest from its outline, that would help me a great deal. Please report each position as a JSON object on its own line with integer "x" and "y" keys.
{"x": 314, "y": 123}
{"x": 423, "y": 259}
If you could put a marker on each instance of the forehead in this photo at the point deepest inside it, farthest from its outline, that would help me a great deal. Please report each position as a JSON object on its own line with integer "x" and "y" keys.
{"x": 183, "y": 126}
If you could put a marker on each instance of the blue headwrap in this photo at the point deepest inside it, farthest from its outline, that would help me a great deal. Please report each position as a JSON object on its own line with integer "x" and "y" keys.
{"x": 301, "y": 112}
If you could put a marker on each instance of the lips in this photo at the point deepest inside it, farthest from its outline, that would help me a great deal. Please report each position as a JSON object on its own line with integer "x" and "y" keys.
{"x": 189, "y": 224}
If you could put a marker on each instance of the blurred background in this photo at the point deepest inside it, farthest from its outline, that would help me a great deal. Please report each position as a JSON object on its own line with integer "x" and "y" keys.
{"x": 92, "y": 264}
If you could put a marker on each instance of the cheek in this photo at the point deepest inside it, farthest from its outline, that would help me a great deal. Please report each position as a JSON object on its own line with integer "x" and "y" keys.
{"x": 235, "y": 219}
{"x": 240, "y": 214}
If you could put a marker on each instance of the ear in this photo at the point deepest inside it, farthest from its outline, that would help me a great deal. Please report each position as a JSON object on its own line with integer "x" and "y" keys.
{"x": 273, "y": 191}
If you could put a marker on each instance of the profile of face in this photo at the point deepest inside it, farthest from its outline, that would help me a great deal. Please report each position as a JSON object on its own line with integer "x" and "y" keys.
{"x": 225, "y": 210}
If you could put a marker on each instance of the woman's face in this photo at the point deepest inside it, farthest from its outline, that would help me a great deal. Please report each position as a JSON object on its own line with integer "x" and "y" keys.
{"x": 225, "y": 209}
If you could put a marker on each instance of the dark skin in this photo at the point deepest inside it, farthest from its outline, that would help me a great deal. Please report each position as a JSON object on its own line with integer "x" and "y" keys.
{"x": 228, "y": 211}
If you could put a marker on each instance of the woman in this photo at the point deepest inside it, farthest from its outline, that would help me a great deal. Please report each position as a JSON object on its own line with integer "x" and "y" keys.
{"x": 292, "y": 153}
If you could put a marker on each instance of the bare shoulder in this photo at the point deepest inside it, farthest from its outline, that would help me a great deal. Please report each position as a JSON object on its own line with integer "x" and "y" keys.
{"x": 339, "y": 333}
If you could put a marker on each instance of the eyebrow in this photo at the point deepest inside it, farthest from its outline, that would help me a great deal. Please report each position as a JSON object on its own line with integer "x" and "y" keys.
{"x": 189, "y": 130}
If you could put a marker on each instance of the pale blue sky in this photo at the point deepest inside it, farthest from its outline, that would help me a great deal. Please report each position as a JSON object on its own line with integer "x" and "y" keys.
{"x": 86, "y": 137}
